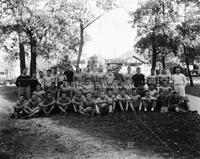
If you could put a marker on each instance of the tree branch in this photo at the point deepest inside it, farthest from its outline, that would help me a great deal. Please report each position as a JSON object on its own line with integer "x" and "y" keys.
{"x": 93, "y": 21}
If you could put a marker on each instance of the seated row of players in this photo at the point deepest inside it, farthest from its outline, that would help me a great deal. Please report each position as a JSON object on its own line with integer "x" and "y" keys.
{"x": 90, "y": 99}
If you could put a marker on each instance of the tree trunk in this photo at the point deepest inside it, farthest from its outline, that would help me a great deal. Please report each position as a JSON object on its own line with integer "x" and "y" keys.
{"x": 33, "y": 43}
{"x": 154, "y": 56}
{"x": 33, "y": 62}
{"x": 188, "y": 68}
{"x": 80, "y": 45}
{"x": 22, "y": 57}
{"x": 163, "y": 62}
{"x": 189, "y": 72}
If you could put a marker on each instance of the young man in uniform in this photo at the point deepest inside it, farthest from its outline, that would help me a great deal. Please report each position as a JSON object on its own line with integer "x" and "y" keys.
{"x": 151, "y": 79}
{"x": 23, "y": 84}
{"x": 32, "y": 108}
{"x": 103, "y": 104}
{"x": 128, "y": 75}
{"x": 136, "y": 99}
{"x": 124, "y": 101}
{"x": 148, "y": 102}
{"x": 138, "y": 78}
{"x": 48, "y": 104}
{"x": 88, "y": 106}
{"x": 19, "y": 107}
{"x": 63, "y": 103}
{"x": 48, "y": 79}
{"x": 77, "y": 101}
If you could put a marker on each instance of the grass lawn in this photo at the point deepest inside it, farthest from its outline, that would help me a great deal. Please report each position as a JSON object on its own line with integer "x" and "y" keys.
{"x": 169, "y": 135}
{"x": 195, "y": 91}
{"x": 174, "y": 135}
{"x": 9, "y": 93}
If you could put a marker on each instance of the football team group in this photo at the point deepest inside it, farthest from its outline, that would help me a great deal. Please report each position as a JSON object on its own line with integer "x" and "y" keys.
{"x": 97, "y": 92}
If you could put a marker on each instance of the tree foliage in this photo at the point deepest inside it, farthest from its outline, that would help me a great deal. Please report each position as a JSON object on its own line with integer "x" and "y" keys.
{"x": 50, "y": 28}
{"x": 169, "y": 26}
{"x": 154, "y": 30}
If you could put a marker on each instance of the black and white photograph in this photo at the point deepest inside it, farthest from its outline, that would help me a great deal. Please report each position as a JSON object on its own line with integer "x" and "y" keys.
{"x": 99, "y": 79}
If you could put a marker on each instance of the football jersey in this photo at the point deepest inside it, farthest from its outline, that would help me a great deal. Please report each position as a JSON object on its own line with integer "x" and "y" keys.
{"x": 48, "y": 81}
{"x": 64, "y": 100}
{"x": 32, "y": 104}
{"x": 48, "y": 101}
{"x": 78, "y": 99}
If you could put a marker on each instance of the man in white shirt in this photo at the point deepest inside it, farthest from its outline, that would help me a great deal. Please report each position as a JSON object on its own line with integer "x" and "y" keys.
{"x": 54, "y": 75}
{"x": 48, "y": 79}
{"x": 41, "y": 79}
{"x": 179, "y": 82}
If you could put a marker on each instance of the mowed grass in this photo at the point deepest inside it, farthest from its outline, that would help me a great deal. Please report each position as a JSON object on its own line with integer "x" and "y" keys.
{"x": 195, "y": 91}
{"x": 9, "y": 93}
{"x": 170, "y": 135}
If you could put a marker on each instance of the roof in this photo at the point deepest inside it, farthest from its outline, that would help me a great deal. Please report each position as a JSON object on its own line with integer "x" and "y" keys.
{"x": 127, "y": 56}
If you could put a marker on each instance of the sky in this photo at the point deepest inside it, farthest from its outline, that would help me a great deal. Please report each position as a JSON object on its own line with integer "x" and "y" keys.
{"x": 112, "y": 35}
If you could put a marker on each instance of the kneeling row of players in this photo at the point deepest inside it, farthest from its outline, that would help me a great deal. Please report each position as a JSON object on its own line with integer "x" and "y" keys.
{"x": 91, "y": 105}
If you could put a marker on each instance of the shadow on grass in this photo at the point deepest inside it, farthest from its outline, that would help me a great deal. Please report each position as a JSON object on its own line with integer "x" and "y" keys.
{"x": 25, "y": 142}
{"x": 9, "y": 93}
{"x": 179, "y": 132}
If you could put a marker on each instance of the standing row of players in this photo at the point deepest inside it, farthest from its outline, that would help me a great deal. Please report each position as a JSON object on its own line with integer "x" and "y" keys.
{"x": 26, "y": 84}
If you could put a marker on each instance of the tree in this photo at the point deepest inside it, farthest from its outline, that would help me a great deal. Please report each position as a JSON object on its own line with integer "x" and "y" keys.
{"x": 188, "y": 32}
{"x": 38, "y": 29}
{"x": 153, "y": 21}
{"x": 79, "y": 13}
{"x": 11, "y": 8}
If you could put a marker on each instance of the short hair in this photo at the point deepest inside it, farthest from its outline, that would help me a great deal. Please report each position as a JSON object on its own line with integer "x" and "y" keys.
{"x": 147, "y": 91}
{"x": 123, "y": 89}
{"x": 88, "y": 93}
{"x": 39, "y": 84}
{"x": 63, "y": 93}
{"x": 133, "y": 89}
{"x": 151, "y": 84}
{"x": 34, "y": 94}
{"x": 21, "y": 95}
{"x": 164, "y": 80}
{"x": 48, "y": 92}
{"x": 178, "y": 66}
{"x": 174, "y": 92}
